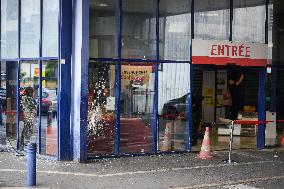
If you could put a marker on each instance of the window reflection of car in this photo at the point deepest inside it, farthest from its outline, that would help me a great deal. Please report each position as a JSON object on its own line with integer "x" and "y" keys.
{"x": 175, "y": 107}
{"x": 53, "y": 98}
{"x": 179, "y": 107}
{"x": 45, "y": 102}
{"x": 49, "y": 101}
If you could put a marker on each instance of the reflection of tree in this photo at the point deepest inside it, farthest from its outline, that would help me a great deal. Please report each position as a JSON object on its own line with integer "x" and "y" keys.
{"x": 23, "y": 74}
{"x": 50, "y": 75}
{"x": 50, "y": 69}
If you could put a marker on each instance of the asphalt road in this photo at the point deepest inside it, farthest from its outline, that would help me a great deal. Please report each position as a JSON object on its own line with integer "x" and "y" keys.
{"x": 255, "y": 169}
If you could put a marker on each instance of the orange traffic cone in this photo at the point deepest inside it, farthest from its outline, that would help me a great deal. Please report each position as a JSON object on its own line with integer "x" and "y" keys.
{"x": 205, "y": 152}
{"x": 167, "y": 139}
{"x": 282, "y": 139}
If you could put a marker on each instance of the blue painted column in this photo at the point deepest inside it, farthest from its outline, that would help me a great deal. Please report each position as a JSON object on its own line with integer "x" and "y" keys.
{"x": 189, "y": 97}
{"x": 64, "y": 81}
{"x": 261, "y": 108}
{"x": 80, "y": 63}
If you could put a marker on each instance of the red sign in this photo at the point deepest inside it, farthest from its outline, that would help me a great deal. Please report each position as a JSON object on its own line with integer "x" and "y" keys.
{"x": 225, "y": 52}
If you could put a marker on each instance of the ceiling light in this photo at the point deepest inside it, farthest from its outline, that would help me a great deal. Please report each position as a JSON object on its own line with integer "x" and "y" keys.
{"x": 103, "y": 5}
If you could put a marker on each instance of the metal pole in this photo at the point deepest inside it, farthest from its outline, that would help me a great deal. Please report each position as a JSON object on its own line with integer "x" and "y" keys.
{"x": 31, "y": 164}
{"x": 231, "y": 144}
{"x": 231, "y": 140}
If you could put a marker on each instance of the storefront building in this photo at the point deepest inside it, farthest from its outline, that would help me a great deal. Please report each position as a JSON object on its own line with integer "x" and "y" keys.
{"x": 112, "y": 78}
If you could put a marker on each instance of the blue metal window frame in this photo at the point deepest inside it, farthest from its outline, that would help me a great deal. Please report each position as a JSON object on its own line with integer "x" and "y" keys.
{"x": 18, "y": 62}
{"x": 118, "y": 60}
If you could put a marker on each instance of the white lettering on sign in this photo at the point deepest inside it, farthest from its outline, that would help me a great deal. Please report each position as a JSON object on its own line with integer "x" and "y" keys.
{"x": 230, "y": 50}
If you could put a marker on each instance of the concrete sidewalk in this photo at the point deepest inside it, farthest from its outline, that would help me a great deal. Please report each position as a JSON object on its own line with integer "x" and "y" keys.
{"x": 264, "y": 169}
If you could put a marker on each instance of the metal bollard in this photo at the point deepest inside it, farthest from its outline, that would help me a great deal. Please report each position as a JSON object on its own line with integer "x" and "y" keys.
{"x": 231, "y": 144}
{"x": 31, "y": 164}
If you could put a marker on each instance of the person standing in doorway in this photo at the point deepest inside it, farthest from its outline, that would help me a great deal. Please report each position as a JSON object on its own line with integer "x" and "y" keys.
{"x": 235, "y": 96}
{"x": 29, "y": 110}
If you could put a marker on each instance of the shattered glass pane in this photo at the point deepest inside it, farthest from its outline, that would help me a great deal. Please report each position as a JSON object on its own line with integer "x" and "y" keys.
{"x": 29, "y": 86}
{"x": 101, "y": 108}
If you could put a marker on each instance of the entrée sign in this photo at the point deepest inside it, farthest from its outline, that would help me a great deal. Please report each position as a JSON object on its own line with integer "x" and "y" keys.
{"x": 225, "y": 52}
{"x": 230, "y": 50}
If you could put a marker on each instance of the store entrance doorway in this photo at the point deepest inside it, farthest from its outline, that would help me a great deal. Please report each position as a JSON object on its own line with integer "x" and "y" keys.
{"x": 210, "y": 85}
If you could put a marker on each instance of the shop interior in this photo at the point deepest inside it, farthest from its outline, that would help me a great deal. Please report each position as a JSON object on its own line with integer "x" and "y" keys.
{"x": 210, "y": 84}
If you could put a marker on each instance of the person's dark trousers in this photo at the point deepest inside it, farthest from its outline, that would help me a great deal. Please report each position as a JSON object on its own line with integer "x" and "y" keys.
{"x": 235, "y": 112}
{"x": 228, "y": 112}
{"x": 195, "y": 124}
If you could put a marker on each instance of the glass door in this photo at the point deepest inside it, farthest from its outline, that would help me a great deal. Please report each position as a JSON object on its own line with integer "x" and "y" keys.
{"x": 101, "y": 108}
